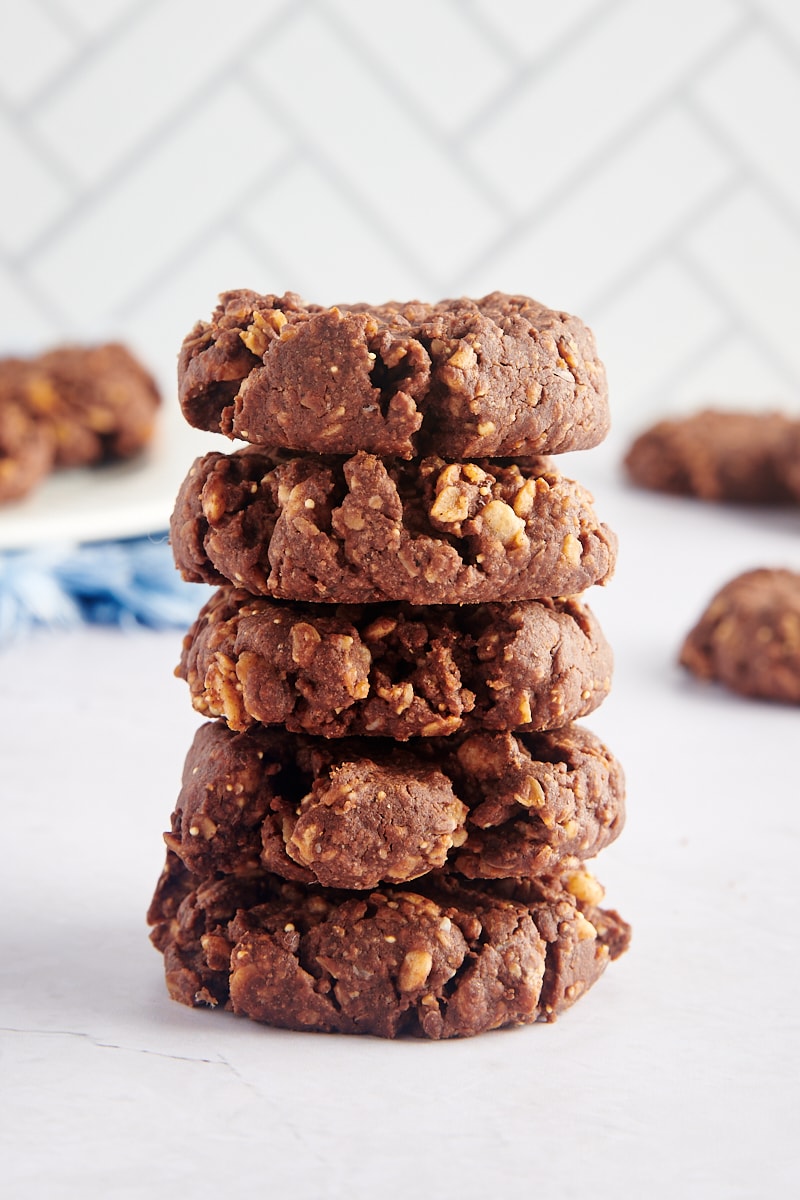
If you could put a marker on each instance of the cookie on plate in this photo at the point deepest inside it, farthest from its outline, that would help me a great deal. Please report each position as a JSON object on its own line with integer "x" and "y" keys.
{"x": 430, "y": 962}
{"x": 74, "y": 406}
{"x": 27, "y": 446}
{"x": 362, "y": 530}
{"x": 99, "y": 401}
{"x": 395, "y": 670}
{"x": 748, "y": 638}
{"x": 718, "y": 455}
{"x": 495, "y": 377}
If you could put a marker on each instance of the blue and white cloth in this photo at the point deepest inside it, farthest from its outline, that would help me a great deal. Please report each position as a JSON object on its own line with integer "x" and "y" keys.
{"x": 130, "y": 582}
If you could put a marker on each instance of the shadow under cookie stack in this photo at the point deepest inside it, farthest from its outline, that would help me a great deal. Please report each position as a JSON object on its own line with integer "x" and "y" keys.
{"x": 385, "y": 824}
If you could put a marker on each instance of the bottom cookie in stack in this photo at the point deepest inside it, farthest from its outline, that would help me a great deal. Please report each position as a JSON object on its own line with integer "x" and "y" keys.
{"x": 446, "y": 958}
{"x": 359, "y": 886}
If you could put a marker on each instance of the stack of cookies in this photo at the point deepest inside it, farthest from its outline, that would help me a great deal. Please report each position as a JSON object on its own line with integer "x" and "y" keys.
{"x": 383, "y": 827}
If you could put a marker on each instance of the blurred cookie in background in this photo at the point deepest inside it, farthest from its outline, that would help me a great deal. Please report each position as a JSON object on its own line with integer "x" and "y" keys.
{"x": 721, "y": 455}
{"x": 73, "y": 406}
{"x": 749, "y": 636}
{"x": 27, "y": 445}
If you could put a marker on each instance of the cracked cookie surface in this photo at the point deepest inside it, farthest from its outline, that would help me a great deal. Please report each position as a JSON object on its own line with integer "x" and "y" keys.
{"x": 395, "y": 670}
{"x": 356, "y": 812}
{"x": 494, "y": 377}
{"x": 362, "y": 530}
{"x": 435, "y": 962}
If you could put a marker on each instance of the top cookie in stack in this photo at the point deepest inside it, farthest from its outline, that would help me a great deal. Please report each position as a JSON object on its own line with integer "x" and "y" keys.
{"x": 492, "y": 378}
{"x": 458, "y": 388}
{"x": 400, "y": 569}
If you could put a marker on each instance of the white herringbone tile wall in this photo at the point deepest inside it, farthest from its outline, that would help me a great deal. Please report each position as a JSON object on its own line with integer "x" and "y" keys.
{"x": 635, "y": 163}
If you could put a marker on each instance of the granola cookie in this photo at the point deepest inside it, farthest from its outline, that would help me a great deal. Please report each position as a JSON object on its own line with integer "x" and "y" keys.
{"x": 495, "y": 377}
{"x": 719, "y": 455}
{"x": 749, "y": 636}
{"x": 356, "y": 812}
{"x": 395, "y": 670}
{"x": 362, "y": 530}
{"x": 429, "y": 962}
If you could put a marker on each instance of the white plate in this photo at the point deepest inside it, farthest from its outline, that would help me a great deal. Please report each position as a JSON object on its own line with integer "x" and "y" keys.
{"x": 122, "y": 500}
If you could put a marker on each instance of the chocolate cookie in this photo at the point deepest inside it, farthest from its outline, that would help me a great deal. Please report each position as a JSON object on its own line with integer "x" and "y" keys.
{"x": 431, "y": 963}
{"x": 100, "y": 402}
{"x": 497, "y": 377}
{"x": 355, "y": 812}
{"x": 565, "y": 978}
{"x": 27, "y": 447}
{"x": 749, "y": 636}
{"x": 362, "y": 530}
{"x": 718, "y": 455}
{"x": 74, "y": 406}
{"x": 396, "y": 670}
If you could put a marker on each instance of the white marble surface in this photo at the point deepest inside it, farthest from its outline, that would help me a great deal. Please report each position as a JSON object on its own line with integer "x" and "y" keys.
{"x": 676, "y": 1076}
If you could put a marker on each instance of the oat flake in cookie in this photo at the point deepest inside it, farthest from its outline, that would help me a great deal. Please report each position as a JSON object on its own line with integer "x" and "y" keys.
{"x": 436, "y": 962}
{"x": 361, "y": 530}
{"x": 749, "y": 636}
{"x": 395, "y": 670}
{"x": 499, "y": 376}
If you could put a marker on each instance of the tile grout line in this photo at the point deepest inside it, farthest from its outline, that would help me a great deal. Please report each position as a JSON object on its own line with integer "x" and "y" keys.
{"x": 611, "y": 147}
{"x": 408, "y": 103}
{"x": 220, "y": 223}
{"x": 538, "y": 66}
{"x": 58, "y": 317}
{"x": 340, "y": 183}
{"x": 91, "y": 48}
{"x": 64, "y": 21}
{"x": 740, "y": 326}
{"x": 784, "y": 41}
{"x": 41, "y": 153}
{"x": 84, "y": 202}
{"x": 660, "y": 397}
{"x": 717, "y": 133}
{"x": 267, "y": 257}
{"x": 485, "y": 30}
{"x": 665, "y": 245}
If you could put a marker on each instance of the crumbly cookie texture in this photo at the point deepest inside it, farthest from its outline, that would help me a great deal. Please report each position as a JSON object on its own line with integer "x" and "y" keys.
{"x": 395, "y": 670}
{"x": 362, "y": 530}
{"x": 494, "y": 377}
{"x": 74, "y": 406}
{"x": 438, "y": 962}
{"x": 719, "y": 455}
{"x": 749, "y": 636}
{"x": 356, "y": 812}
